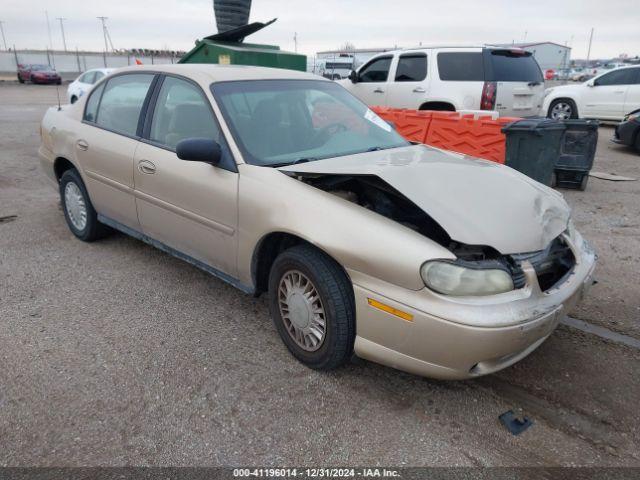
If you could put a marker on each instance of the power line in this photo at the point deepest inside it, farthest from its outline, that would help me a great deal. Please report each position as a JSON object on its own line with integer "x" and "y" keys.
{"x": 64, "y": 40}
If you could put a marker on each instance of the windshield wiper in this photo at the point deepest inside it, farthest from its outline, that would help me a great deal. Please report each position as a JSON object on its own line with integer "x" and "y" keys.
{"x": 295, "y": 162}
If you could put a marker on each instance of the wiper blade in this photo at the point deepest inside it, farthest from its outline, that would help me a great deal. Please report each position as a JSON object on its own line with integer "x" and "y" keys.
{"x": 299, "y": 160}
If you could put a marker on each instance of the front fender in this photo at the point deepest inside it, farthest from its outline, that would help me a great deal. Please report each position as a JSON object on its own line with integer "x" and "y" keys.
{"x": 357, "y": 238}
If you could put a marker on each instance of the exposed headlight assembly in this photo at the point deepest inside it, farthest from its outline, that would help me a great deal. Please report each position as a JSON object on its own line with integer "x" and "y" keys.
{"x": 456, "y": 280}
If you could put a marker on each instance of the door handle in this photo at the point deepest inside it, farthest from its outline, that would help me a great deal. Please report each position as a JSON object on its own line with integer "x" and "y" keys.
{"x": 145, "y": 166}
{"x": 82, "y": 145}
{"x": 419, "y": 90}
{"x": 378, "y": 90}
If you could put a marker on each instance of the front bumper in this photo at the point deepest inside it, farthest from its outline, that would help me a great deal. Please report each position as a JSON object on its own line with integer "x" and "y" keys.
{"x": 463, "y": 338}
{"x": 625, "y": 133}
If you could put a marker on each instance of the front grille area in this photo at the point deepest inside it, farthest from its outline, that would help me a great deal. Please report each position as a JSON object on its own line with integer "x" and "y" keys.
{"x": 551, "y": 264}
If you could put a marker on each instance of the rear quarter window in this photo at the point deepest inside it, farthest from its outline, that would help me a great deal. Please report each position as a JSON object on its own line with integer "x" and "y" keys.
{"x": 461, "y": 66}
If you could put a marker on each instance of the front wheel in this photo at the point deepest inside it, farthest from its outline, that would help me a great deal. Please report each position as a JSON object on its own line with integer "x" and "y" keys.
{"x": 312, "y": 306}
{"x": 74, "y": 99}
{"x": 79, "y": 213}
{"x": 562, "y": 109}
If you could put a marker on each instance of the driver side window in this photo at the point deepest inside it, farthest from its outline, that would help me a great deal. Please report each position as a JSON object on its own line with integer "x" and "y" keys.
{"x": 376, "y": 71}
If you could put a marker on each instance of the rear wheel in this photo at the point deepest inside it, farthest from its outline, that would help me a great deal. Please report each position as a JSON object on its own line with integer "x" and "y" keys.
{"x": 79, "y": 213}
{"x": 562, "y": 109}
{"x": 20, "y": 79}
{"x": 312, "y": 306}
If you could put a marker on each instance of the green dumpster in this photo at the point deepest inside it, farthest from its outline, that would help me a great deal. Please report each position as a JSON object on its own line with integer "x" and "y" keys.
{"x": 228, "y": 48}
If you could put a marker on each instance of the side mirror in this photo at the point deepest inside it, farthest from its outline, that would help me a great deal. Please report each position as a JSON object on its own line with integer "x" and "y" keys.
{"x": 353, "y": 76}
{"x": 199, "y": 150}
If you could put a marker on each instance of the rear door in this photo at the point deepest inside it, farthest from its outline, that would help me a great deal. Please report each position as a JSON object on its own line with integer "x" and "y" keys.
{"x": 519, "y": 81}
{"x": 371, "y": 86}
{"x": 408, "y": 85}
{"x": 604, "y": 96}
{"x": 189, "y": 206}
{"x": 107, "y": 140}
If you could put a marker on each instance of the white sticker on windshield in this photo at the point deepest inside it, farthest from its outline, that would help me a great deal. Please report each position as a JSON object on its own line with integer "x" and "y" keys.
{"x": 373, "y": 118}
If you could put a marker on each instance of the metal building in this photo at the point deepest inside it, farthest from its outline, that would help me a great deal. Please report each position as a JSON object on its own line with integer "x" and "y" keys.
{"x": 550, "y": 55}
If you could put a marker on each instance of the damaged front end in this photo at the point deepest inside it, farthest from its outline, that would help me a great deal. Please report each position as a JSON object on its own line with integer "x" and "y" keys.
{"x": 551, "y": 264}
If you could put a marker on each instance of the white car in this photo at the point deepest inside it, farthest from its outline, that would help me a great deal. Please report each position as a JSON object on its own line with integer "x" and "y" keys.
{"x": 507, "y": 80}
{"x": 608, "y": 96}
{"x": 84, "y": 82}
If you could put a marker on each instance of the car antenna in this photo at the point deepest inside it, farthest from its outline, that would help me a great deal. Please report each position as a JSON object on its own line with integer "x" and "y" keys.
{"x": 58, "y": 94}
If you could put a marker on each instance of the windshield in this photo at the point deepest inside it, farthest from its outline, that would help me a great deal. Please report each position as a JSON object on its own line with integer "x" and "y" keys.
{"x": 279, "y": 122}
{"x": 510, "y": 66}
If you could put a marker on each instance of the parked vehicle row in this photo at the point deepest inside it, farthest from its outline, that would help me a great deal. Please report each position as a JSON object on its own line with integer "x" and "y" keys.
{"x": 452, "y": 78}
{"x": 282, "y": 182}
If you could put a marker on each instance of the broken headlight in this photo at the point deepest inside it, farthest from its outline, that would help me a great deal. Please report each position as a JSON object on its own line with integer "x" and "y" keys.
{"x": 451, "y": 279}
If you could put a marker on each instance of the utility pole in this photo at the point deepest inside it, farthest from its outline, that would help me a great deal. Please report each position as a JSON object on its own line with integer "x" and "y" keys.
{"x": 64, "y": 40}
{"x": 46, "y": 14}
{"x": 525, "y": 36}
{"x": 295, "y": 41}
{"x": 4, "y": 40}
{"x": 104, "y": 32}
{"x": 589, "y": 50}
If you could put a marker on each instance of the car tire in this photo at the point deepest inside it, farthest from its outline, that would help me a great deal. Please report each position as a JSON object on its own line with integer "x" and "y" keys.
{"x": 562, "y": 109}
{"x": 59, "y": 82}
{"x": 307, "y": 288}
{"x": 73, "y": 99}
{"x": 79, "y": 213}
{"x": 20, "y": 79}
{"x": 32, "y": 79}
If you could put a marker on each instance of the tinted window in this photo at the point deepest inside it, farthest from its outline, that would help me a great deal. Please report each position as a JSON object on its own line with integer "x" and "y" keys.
{"x": 461, "y": 66}
{"x": 122, "y": 101}
{"x": 508, "y": 66}
{"x": 91, "y": 110}
{"x": 182, "y": 111}
{"x": 283, "y": 121}
{"x": 411, "y": 68}
{"x": 625, "y": 76}
{"x": 376, "y": 71}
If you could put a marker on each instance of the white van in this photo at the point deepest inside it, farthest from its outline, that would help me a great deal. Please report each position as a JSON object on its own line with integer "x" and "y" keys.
{"x": 508, "y": 80}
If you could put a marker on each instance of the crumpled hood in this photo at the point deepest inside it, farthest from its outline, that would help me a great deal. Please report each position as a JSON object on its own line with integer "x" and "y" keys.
{"x": 477, "y": 202}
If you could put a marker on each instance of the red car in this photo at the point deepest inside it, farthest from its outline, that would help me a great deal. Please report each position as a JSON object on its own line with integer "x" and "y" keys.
{"x": 35, "y": 73}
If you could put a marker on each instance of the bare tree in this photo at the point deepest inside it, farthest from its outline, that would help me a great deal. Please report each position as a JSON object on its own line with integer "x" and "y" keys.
{"x": 347, "y": 47}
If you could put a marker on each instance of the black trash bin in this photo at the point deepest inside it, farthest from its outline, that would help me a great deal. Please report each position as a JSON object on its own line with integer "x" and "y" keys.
{"x": 533, "y": 147}
{"x": 577, "y": 151}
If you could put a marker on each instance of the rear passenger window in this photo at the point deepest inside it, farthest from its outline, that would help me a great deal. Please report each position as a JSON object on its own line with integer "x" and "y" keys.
{"x": 624, "y": 76}
{"x": 376, "y": 71}
{"x": 461, "y": 66}
{"x": 98, "y": 76}
{"x": 91, "y": 110}
{"x": 411, "y": 68}
{"x": 182, "y": 111}
{"x": 88, "y": 77}
{"x": 122, "y": 101}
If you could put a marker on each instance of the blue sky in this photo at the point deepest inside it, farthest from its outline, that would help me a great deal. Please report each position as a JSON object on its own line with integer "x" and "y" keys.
{"x": 326, "y": 24}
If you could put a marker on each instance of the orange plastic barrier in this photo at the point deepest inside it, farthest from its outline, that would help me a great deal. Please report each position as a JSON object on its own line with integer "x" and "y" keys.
{"x": 479, "y": 137}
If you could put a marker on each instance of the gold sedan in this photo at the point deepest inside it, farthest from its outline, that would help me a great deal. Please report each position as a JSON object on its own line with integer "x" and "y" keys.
{"x": 282, "y": 182}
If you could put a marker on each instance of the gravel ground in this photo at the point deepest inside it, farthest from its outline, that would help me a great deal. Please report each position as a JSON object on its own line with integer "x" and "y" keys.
{"x": 114, "y": 353}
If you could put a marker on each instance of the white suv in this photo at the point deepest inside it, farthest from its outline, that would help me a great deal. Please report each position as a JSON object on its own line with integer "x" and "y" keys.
{"x": 507, "y": 80}
{"x": 609, "y": 96}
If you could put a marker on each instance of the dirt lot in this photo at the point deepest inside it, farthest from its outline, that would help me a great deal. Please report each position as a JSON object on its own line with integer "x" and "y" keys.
{"x": 114, "y": 353}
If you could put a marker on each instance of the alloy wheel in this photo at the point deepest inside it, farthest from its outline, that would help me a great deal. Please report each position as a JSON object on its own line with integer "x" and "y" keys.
{"x": 75, "y": 206}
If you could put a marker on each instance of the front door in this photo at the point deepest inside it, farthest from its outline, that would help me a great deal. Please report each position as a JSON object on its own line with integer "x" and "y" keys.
{"x": 191, "y": 207}
{"x": 371, "y": 85}
{"x": 605, "y": 97}
{"x": 408, "y": 85}
{"x": 106, "y": 144}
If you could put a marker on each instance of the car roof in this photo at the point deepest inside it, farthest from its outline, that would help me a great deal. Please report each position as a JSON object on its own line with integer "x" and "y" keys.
{"x": 222, "y": 73}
